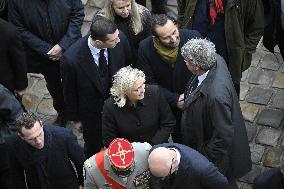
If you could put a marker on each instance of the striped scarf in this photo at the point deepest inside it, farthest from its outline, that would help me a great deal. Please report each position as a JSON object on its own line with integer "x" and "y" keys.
{"x": 216, "y": 7}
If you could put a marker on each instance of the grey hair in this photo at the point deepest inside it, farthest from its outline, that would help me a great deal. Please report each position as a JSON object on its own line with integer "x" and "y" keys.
{"x": 123, "y": 81}
{"x": 200, "y": 52}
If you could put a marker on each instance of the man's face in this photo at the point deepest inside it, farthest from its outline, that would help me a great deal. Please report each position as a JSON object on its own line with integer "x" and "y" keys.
{"x": 137, "y": 91}
{"x": 191, "y": 67}
{"x": 111, "y": 41}
{"x": 122, "y": 7}
{"x": 168, "y": 34}
{"x": 34, "y": 136}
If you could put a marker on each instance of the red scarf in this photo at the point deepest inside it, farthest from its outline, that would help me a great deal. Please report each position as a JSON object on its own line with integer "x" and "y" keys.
{"x": 216, "y": 7}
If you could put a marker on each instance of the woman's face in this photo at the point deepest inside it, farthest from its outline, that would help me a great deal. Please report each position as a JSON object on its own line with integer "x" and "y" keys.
{"x": 137, "y": 91}
{"x": 122, "y": 7}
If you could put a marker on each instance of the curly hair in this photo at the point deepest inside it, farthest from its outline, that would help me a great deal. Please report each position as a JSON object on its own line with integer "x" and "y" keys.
{"x": 200, "y": 52}
{"x": 123, "y": 81}
{"x": 26, "y": 120}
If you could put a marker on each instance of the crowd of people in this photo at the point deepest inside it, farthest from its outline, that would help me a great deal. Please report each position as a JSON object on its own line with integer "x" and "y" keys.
{"x": 156, "y": 94}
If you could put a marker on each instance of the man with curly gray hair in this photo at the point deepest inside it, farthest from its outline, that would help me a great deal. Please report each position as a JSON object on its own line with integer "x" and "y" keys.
{"x": 135, "y": 111}
{"x": 212, "y": 122}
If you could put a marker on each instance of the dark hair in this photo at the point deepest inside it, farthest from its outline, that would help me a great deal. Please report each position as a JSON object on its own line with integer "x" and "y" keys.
{"x": 26, "y": 120}
{"x": 159, "y": 20}
{"x": 100, "y": 27}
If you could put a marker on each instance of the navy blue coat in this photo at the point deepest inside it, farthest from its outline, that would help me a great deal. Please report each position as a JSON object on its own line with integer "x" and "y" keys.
{"x": 194, "y": 171}
{"x": 270, "y": 179}
{"x": 66, "y": 18}
{"x": 63, "y": 148}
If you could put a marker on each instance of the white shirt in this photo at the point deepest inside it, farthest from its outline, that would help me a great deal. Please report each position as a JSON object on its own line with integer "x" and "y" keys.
{"x": 202, "y": 77}
{"x": 96, "y": 52}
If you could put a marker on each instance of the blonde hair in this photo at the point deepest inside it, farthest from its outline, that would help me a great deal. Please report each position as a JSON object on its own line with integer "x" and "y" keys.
{"x": 123, "y": 81}
{"x": 136, "y": 14}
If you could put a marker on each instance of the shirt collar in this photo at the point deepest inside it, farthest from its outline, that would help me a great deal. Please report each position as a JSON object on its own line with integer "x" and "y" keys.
{"x": 202, "y": 77}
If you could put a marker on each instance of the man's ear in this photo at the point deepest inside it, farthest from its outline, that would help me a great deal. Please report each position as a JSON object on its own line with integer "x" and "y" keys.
{"x": 98, "y": 43}
{"x": 20, "y": 135}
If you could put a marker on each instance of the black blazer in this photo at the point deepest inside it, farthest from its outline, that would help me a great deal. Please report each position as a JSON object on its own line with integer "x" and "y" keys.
{"x": 63, "y": 148}
{"x": 83, "y": 93}
{"x": 194, "y": 171}
{"x": 13, "y": 71}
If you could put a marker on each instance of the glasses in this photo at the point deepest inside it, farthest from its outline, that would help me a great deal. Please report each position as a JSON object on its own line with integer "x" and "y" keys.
{"x": 170, "y": 172}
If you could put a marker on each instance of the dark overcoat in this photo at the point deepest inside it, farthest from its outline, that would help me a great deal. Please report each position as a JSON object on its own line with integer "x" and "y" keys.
{"x": 150, "y": 121}
{"x": 60, "y": 172}
{"x": 194, "y": 171}
{"x": 66, "y": 18}
{"x": 13, "y": 70}
{"x": 212, "y": 123}
{"x": 82, "y": 88}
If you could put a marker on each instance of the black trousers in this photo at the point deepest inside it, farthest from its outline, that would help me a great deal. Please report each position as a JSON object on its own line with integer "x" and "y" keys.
{"x": 158, "y": 6}
{"x": 51, "y": 72}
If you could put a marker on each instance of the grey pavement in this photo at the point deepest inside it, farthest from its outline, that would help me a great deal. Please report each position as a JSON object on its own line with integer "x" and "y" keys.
{"x": 261, "y": 100}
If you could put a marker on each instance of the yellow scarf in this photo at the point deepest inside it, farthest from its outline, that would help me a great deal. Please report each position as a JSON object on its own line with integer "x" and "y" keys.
{"x": 167, "y": 54}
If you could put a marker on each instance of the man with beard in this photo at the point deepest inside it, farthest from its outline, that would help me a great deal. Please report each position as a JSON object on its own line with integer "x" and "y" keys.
{"x": 160, "y": 59}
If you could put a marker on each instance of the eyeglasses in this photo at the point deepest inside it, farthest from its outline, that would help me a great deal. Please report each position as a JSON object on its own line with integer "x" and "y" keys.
{"x": 169, "y": 174}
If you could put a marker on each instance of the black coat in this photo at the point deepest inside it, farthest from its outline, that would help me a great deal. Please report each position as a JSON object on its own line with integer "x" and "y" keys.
{"x": 151, "y": 121}
{"x": 212, "y": 123}
{"x": 194, "y": 171}
{"x": 13, "y": 71}
{"x": 66, "y": 19}
{"x": 83, "y": 93}
{"x": 270, "y": 179}
{"x": 60, "y": 172}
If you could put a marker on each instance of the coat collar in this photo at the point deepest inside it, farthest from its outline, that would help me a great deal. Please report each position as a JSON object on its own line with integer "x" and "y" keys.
{"x": 89, "y": 66}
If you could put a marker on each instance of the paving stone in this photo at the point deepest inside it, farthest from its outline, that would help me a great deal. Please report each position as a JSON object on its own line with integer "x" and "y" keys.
{"x": 256, "y": 170}
{"x": 273, "y": 157}
{"x": 278, "y": 100}
{"x": 259, "y": 95}
{"x": 97, "y": 3}
{"x": 279, "y": 57}
{"x": 249, "y": 111}
{"x": 279, "y": 81}
{"x": 172, "y": 3}
{"x": 39, "y": 76}
{"x": 31, "y": 82}
{"x": 251, "y": 131}
{"x": 271, "y": 62}
{"x": 245, "y": 186}
{"x": 257, "y": 152}
{"x": 245, "y": 74}
{"x": 268, "y": 136}
{"x": 84, "y": 2}
{"x": 89, "y": 13}
{"x": 244, "y": 91}
{"x": 261, "y": 77}
{"x": 40, "y": 87}
{"x": 256, "y": 57}
{"x": 85, "y": 28}
{"x": 270, "y": 117}
{"x": 282, "y": 143}
{"x": 30, "y": 101}
{"x": 45, "y": 107}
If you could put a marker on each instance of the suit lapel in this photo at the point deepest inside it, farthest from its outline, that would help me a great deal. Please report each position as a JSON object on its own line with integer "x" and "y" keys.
{"x": 89, "y": 66}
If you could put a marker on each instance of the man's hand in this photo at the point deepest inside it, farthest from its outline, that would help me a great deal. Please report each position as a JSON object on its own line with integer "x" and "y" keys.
{"x": 74, "y": 124}
{"x": 180, "y": 102}
{"x": 81, "y": 187}
{"x": 55, "y": 53}
{"x": 20, "y": 93}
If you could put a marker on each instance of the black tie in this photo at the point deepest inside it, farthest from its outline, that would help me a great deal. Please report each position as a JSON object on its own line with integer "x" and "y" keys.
{"x": 193, "y": 85}
{"x": 103, "y": 63}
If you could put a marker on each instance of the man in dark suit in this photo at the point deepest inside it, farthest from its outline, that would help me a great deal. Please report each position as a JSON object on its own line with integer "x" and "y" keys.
{"x": 86, "y": 69}
{"x": 47, "y": 29}
{"x": 212, "y": 121}
{"x": 178, "y": 166}
{"x": 159, "y": 58}
{"x": 13, "y": 71}
{"x": 41, "y": 156}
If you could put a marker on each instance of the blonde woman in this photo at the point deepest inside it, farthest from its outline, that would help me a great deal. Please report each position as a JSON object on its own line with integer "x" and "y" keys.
{"x": 132, "y": 19}
{"x": 135, "y": 111}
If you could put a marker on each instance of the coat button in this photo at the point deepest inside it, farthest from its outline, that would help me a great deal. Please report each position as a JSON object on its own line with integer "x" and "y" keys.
{"x": 138, "y": 123}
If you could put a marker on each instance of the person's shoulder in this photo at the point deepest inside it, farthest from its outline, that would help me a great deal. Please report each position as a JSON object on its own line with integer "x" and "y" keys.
{"x": 57, "y": 130}
{"x": 190, "y": 33}
{"x": 90, "y": 165}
